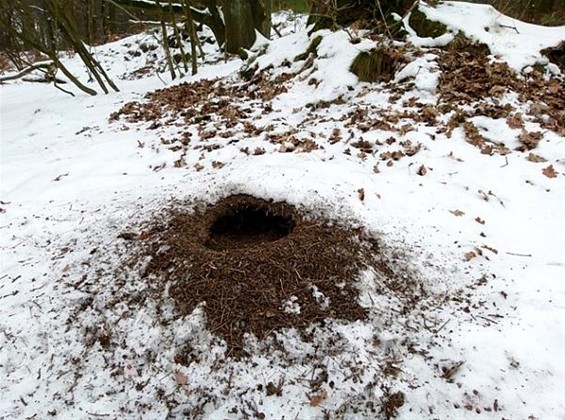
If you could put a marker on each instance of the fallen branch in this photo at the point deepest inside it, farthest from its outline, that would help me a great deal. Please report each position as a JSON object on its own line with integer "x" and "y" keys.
{"x": 48, "y": 66}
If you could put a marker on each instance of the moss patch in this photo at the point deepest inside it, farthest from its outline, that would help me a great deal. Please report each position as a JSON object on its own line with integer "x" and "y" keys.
{"x": 424, "y": 27}
{"x": 376, "y": 66}
{"x": 463, "y": 44}
{"x": 312, "y": 49}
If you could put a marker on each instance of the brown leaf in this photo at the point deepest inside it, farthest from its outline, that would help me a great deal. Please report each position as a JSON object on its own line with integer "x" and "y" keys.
{"x": 536, "y": 158}
{"x": 144, "y": 235}
{"x": 554, "y": 86}
{"x": 529, "y": 140}
{"x": 550, "y": 172}
{"x": 457, "y": 212}
{"x": 515, "y": 121}
{"x": 479, "y": 220}
{"x": 422, "y": 170}
{"x": 316, "y": 400}
{"x": 470, "y": 255}
{"x": 181, "y": 378}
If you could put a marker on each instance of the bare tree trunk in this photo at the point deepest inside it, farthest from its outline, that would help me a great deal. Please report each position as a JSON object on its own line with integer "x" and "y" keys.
{"x": 243, "y": 18}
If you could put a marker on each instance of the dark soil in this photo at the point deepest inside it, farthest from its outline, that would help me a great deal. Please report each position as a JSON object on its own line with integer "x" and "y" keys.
{"x": 248, "y": 225}
{"x": 245, "y": 257}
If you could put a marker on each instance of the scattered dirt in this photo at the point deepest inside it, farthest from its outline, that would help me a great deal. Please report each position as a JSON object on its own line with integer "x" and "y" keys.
{"x": 259, "y": 266}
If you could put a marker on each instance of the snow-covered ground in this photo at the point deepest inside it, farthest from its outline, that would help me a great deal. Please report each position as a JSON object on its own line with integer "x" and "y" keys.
{"x": 483, "y": 234}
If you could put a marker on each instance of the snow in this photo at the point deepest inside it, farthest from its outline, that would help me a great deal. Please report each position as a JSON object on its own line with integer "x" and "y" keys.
{"x": 518, "y": 43}
{"x": 70, "y": 182}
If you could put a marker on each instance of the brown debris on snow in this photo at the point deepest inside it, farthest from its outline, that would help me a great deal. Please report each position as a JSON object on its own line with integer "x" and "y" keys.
{"x": 259, "y": 267}
{"x": 469, "y": 76}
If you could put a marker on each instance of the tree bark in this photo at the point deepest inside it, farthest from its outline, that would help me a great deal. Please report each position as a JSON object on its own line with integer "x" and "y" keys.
{"x": 243, "y": 18}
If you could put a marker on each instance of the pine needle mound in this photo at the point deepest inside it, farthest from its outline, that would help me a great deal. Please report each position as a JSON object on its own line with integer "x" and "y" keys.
{"x": 258, "y": 266}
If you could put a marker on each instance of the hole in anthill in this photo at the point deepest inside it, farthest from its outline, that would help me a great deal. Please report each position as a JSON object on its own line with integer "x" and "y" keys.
{"x": 246, "y": 226}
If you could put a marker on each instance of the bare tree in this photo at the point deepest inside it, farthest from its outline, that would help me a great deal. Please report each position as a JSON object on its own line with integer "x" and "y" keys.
{"x": 233, "y": 22}
{"x": 47, "y": 27}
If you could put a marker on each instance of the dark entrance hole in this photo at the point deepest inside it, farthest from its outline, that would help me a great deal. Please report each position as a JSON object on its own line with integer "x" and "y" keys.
{"x": 246, "y": 226}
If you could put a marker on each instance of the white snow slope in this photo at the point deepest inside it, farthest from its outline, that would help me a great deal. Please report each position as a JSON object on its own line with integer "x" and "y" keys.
{"x": 487, "y": 229}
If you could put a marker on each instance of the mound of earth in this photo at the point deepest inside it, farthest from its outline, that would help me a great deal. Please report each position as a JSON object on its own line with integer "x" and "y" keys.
{"x": 257, "y": 266}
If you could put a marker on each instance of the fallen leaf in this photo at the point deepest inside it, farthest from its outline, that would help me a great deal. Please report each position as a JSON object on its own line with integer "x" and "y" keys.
{"x": 529, "y": 140}
{"x": 422, "y": 170}
{"x": 159, "y": 167}
{"x": 515, "y": 121}
{"x": 181, "y": 378}
{"x": 316, "y": 400}
{"x": 553, "y": 85}
{"x": 470, "y": 255}
{"x": 479, "y": 220}
{"x": 457, "y": 212}
{"x": 549, "y": 172}
{"x": 536, "y": 158}
{"x": 144, "y": 235}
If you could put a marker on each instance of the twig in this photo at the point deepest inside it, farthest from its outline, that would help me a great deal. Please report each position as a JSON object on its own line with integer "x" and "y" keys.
{"x": 487, "y": 319}
{"x": 519, "y": 255}
{"x": 443, "y": 325}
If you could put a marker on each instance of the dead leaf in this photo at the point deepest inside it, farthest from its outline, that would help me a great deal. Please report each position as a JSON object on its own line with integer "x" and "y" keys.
{"x": 422, "y": 171}
{"x": 479, "y": 220}
{"x": 179, "y": 163}
{"x": 449, "y": 371}
{"x": 529, "y": 140}
{"x": 536, "y": 158}
{"x": 159, "y": 167}
{"x": 316, "y": 400}
{"x": 457, "y": 212}
{"x": 181, "y": 378}
{"x": 554, "y": 86}
{"x": 550, "y": 172}
{"x": 470, "y": 255}
{"x": 144, "y": 235}
{"x": 515, "y": 121}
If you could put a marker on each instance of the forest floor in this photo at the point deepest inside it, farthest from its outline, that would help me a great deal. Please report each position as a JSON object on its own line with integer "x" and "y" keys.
{"x": 399, "y": 246}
